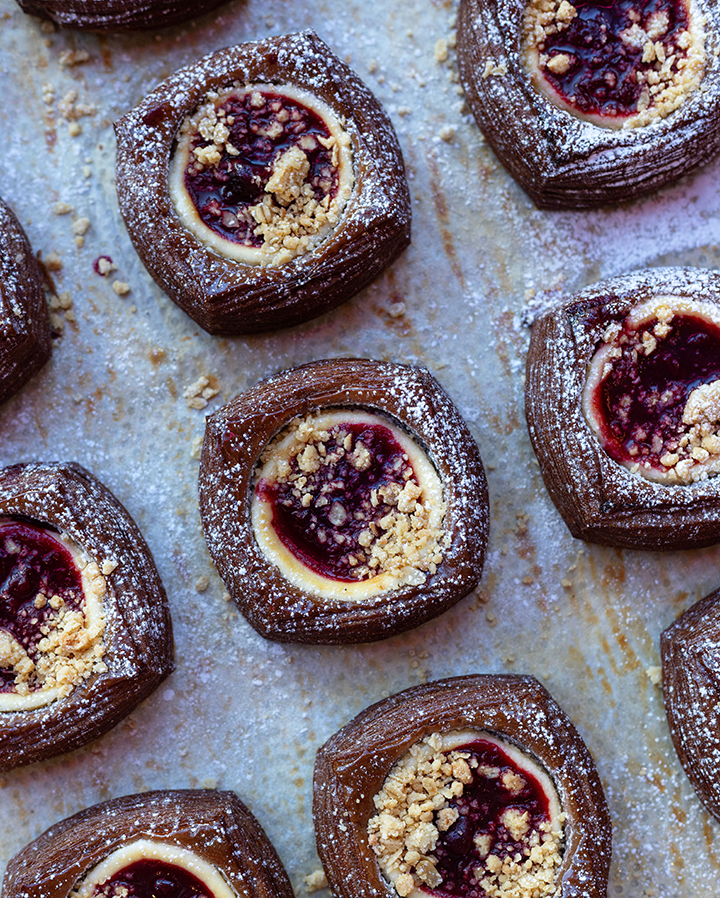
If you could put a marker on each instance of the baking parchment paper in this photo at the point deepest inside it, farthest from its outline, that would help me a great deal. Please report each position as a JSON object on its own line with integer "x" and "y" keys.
{"x": 245, "y": 714}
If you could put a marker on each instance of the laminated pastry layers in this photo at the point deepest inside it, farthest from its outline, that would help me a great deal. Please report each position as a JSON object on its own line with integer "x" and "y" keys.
{"x": 84, "y": 641}
{"x": 116, "y": 15}
{"x": 620, "y": 389}
{"x": 205, "y": 842}
{"x": 263, "y": 185}
{"x": 691, "y": 689}
{"x": 343, "y": 501}
{"x": 24, "y": 320}
{"x": 475, "y": 783}
{"x": 594, "y": 103}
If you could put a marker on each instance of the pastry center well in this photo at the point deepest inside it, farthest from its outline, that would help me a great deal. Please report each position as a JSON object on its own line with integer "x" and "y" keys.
{"x": 51, "y": 615}
{"x": 347, "y": 505}
{"x": 652, "y": 395}
{"x": 616, "y": 63}
{"x": 466, "y": 815}
{"x": 149, "y": 869}
{"x": 262, "y": 173}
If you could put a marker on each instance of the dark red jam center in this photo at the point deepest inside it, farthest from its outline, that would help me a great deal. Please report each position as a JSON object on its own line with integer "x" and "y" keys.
{"x": 32, "y": 562}
{"x": 325, "y": 534}
{"x": 153, "y": 879}
{"x": 481, "y": 807}
{"x": 640, "y": 403}
{"x": 223, "y": 193}
{"x": 602, "y": 78}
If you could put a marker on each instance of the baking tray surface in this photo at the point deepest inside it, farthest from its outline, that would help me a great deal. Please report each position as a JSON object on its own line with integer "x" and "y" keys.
{"x": 245, "y": 714}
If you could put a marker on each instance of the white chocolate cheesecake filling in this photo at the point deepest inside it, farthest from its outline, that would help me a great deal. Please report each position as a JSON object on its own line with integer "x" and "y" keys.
{"x": 147, "y": 849}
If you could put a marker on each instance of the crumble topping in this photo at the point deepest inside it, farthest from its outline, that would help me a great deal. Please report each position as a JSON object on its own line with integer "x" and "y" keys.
{"x": 69, "y": 58}
{"x": 108, "y": 879}
{"x": 347, "y": 505}
{"x": 619, "y": 66}
{"x": 121, "y": 288}
{"x": 198, "y": 394}
{"x": 421, "y": 806}
{"x": 52, "y": 261}
{"x": 262, "y": 173}
{"x": 315, "y": 881}
{"x": 81, "y": 226}
{"x": 44, "y": 657}
{"x": 645, "y": 397}
{"x": 654, "y": 674}
{"x": 494, "y": 68}
{"x": 104, "y": 265}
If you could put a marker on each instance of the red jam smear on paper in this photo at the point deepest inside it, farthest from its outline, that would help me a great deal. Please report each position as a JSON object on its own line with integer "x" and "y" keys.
{"x": 237, "y": 182}
{"x": 481, "y": 806}
{"x": 642, "y": 400}
{"x": 308, "y": 533}
{"x": 602, "y": 78}
{"x": 149, "y": 878}
{"x": 42, "y": 564}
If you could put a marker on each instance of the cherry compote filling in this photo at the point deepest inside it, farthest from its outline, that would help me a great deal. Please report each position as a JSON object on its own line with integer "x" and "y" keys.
{"x": 52, "y": 620}
{"x": 151, "y": 878}
{"x": 38, "y": 575}
{"x": 483, "y": 824}
{"x": 461, "y": 822}
{"x": 613, "y": 59}
{"x": 653, "y": 395}
{"x": 261, "y": 127}
{"x": 350, "y": 498}
{"x": 261, "y": 169}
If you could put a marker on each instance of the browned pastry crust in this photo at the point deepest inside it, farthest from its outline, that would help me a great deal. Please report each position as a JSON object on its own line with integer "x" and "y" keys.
{"x": 599, "y": 499}
{"x": 117, "y": 15}
{"x": 214, "y": 825}
{"x": 24, "y": 321}
{"x": 229, "y": 297}
{"x": 691, "y": 687}
{"x": 138, "y": 637}
{"x": 561, "y": 161}
{"x": 236, "y": 435}
{"x": 353, "y": 764}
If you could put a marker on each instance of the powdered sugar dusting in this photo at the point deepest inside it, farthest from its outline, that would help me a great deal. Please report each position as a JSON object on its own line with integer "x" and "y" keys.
{"x": 585, "y": 619}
